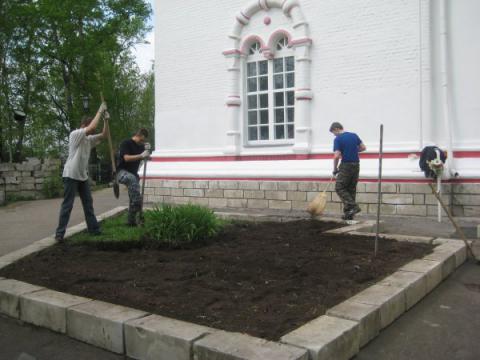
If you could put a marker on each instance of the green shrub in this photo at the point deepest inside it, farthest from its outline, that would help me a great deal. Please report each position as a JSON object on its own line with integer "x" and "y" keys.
{"x": 179, "y": 226}
{"x": 52, "y": 187}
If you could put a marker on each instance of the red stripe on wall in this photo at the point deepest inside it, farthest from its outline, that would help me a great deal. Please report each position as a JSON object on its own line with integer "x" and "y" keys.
{"x": 393, "y": 155}
{"x": 415, "y": 181}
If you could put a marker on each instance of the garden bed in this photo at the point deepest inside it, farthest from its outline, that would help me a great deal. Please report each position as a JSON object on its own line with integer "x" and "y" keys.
{"x": 264, "y": 279}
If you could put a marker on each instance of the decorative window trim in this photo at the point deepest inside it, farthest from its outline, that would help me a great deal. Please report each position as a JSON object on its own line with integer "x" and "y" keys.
{"x": 299, "y": 41}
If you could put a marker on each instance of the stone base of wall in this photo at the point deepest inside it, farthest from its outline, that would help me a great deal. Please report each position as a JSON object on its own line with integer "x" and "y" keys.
{"x": 25, "y": 180}
{"x": 397, "y": 198}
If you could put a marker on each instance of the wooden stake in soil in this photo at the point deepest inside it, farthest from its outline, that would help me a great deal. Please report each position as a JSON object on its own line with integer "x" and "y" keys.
{"x": 458, "y": 228}
{"x": 116, "y": 187}
{"x": 379, "y": 194}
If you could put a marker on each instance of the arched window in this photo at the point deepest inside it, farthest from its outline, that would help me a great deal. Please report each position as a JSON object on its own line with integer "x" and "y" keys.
{"x": 270, "y": 105}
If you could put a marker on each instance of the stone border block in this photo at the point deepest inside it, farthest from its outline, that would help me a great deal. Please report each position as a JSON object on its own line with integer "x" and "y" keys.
{"x": 48, "y": 308}
{"x": 446, "y": 257}
{"x": 391, "y": 301}
{"x": 356, "y": 226}
{"x": 158, "y": 337}
{"x": 223, "y": 345}
{"x": 414, "y": 284}
{"x": 456, "y": 246}
{"x": 10, "y": 292}
{"x": 326, "y": 338}
{"x": 367, "y": 315}
{"x": 100, "y": 324}
{"x": 431, "y": 269}
{"x": 402, "y": 238}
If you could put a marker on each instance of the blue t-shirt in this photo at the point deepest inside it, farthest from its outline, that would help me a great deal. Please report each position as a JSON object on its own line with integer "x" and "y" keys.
{"x": 347, "y": 143}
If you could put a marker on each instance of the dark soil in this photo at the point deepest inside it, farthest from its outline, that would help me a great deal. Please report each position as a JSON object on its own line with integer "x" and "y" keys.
{"x": 264, "y": 279}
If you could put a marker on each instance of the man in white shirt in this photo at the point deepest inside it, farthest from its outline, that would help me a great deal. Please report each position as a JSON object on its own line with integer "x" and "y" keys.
{"x": 75, "y": 172}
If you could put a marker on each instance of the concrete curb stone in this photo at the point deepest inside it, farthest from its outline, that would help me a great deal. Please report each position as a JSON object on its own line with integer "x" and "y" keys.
{"x": 48, "y": 308}
{"x": 431, "y": 269}
{"x": 157, "y": 337}
{"x": 222, "y": 345}
{"x": 414, "y": 284}
{"x": 101, "y": 324}
{"x": 367, "y": 315}
{"x": 391, "y": 300}
{"x": 327, "y": 337}
{"x": 10, "y": 292}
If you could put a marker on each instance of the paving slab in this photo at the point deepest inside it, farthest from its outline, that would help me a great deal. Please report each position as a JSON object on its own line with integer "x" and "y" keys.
{"x": 100, "y": 324}
{"x": 223, "y": 345}
{"x": 10, "y": 292}
{"x": 391, "y": 300}
{"x": 414, "y": 284}
{"x": 327, "y": 337}
{"x": 160, "y": 338}
{"x": 48, "y": 308}
{"x": 367, "y": 315}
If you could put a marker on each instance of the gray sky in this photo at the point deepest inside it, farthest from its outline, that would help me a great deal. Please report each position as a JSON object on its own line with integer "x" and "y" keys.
{"x": 145, "y": 52}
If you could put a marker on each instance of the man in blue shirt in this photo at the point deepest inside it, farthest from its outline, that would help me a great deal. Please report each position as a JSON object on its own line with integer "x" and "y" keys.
{"x": 346, "y": 146}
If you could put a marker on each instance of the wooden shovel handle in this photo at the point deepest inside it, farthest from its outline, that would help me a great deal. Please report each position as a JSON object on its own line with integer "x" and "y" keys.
{"x": 109, "y": 136}
{"x": 447, "y": 211}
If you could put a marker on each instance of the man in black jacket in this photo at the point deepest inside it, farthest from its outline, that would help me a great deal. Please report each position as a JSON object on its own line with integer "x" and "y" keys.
{"x": 132, "y": 151}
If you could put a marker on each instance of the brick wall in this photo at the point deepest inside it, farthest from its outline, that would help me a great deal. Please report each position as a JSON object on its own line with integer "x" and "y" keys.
{"x": 397, "y": 198}
{"x": 25, "y": 180}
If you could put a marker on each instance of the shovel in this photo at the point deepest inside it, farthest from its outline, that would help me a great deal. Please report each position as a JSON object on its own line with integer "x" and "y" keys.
{"x": 142, "y": 219}
{"x": 116, "y": 187}
{"x": 319, "y": 203}
{"x": 457, "y": 227}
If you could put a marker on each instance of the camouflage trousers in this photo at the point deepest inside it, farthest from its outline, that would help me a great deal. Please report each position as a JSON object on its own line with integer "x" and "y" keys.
{"x": 346, "y": 184}
{"x": 133, "y": 185}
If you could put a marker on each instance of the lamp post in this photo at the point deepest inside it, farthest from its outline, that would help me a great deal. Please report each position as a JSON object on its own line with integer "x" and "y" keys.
{"x": 85, "y": 101}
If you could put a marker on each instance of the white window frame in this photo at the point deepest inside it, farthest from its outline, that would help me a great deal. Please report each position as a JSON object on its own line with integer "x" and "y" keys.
{"x": 257, "y": 57}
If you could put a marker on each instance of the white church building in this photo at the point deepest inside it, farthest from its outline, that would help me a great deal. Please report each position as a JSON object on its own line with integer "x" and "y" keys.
{"x": 246, "y": 91}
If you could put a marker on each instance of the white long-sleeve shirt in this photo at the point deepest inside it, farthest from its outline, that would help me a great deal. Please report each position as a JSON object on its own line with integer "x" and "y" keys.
{"x": 79, "y": 148}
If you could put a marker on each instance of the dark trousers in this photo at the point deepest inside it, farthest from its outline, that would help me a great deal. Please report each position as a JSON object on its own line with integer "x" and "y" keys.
{"x": 71, "y": 187}
{"x": 132, "y": 182}
{"x": 346, "y": 184}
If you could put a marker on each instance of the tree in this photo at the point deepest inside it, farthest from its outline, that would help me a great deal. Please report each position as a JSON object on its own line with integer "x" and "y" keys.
{"x": 52, "y": 54}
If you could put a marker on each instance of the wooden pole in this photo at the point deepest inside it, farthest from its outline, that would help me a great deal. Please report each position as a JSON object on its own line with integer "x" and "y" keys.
{"x": 458, "y": 228}
{"x": 379, "y": 192}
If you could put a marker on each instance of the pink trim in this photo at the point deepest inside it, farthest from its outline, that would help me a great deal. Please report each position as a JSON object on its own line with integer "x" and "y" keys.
{"x": 262, "y": 6}
{"x": 392, "y": 155}
{"x": 241, "y": 21}
{"x": 466, "y": 154}
{"x": 246, "y": 16}
{"x": 395, "y": 155}
{"x": 275, "y": 37}
{"x": 393, "y": 180}
{"x": 303, "y": 98}
{"x": 301, "y": 41}
{"x": 249, "y": 41}
{"x": 232, "y": 52}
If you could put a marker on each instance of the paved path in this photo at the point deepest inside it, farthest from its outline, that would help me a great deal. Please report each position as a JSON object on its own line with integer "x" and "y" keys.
{"x": 24, "y": 222}
{"x": 445, "y": 325}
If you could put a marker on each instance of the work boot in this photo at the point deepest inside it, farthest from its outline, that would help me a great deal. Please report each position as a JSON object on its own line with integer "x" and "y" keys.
{"x": 59, "y": 239}
{"x": 351, "y": 213}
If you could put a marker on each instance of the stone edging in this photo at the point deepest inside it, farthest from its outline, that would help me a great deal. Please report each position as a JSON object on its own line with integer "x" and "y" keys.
{"x": 339, "y": 334}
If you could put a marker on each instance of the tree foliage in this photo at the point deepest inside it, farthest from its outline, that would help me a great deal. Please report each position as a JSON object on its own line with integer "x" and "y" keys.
{"x": 53, "y": 54}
